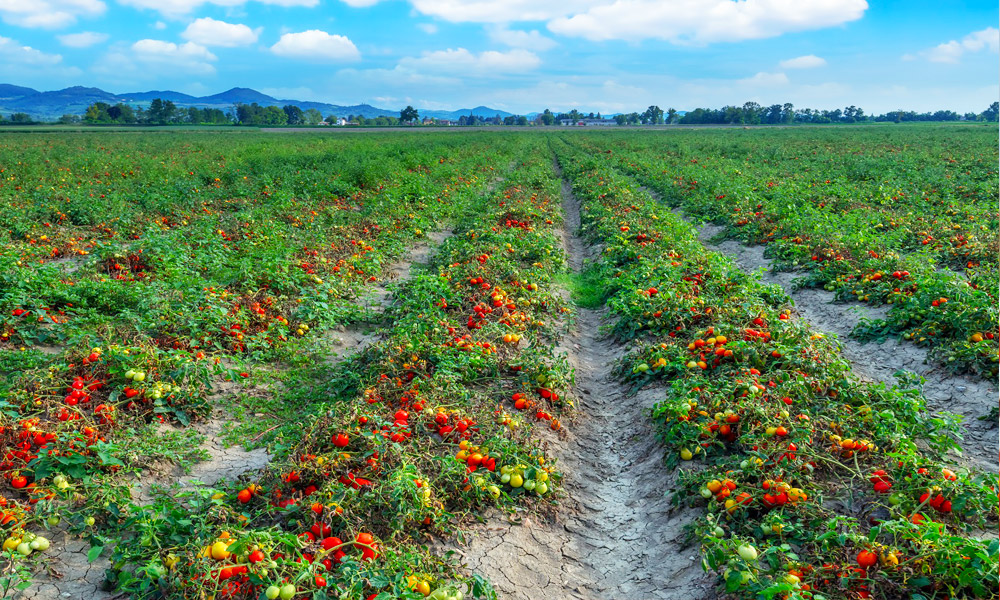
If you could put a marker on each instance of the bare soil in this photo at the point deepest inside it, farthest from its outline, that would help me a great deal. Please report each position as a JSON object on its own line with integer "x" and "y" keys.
{"x": 614, "y": 534}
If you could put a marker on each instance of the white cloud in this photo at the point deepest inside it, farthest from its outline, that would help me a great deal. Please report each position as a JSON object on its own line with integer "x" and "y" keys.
{"x": 765, "y": 79}
{"x": 678, "y": 21}
{"x": 469, "y": 64}
{"x": 49, "y": 14}
{"x": 360, "y": 3}
{"x": 490, "y": 11}
{"x": 705, "y": 21}
{"x": 316, "y": 45}
{"x": 159, "y": 25}
{"x": 529, "y": 40}
{"x": 950, "y": 52}
{"x": 809, "y": 61}
{"x": 84, "y": 39}
{"x": 428, "y": 28}
{"x": 209, "y": 32}
{"x": 13, "y": 52}
{"x": 188, "y": 57}
{"x": 179, "y": 8}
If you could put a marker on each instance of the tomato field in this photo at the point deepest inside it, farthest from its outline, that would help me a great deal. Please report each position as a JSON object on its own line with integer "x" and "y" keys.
{"x": 500, "y": 365}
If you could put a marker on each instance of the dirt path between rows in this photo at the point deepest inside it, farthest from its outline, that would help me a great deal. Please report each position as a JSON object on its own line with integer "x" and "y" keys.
{"x": 68, "y": 575}
{"x": 615, "y": 534}
{"x": 970, "y": 397}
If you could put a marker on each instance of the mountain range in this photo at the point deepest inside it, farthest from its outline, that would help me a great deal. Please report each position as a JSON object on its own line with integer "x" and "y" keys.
{"x": 75, "y": 100}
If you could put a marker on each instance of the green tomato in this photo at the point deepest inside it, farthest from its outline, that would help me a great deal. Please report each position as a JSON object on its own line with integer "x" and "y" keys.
{"x": 40, "y": 543}
{"x": 272, "y": 592}
{"x": 24, "y": 548}
{"x": 156, "y": 571}
{"x": 747, "y": 552}
{"x": 541, "y": 488}
{"x": 287, "y": 591}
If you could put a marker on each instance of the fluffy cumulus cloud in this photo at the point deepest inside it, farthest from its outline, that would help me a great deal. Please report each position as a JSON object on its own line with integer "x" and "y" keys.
{"x": 679, "y": 21}
{"x": 188, "y": 57}
{"x": 467, "y": 63}
{"x": 489, "y": 11}
{"x": 13, "y": 52}
{"x": 178, "y": 8}
{"x": 809, "y": 61}
{"x": 316, "y": 45}
{"x": 51, "y": 14}
{"x": 951, "y": 52}
{"x": 209, "y": 32}
{"x": 705, "y": 21}
{"x": 529, "y": 40}
{"x": 84, "y": 39}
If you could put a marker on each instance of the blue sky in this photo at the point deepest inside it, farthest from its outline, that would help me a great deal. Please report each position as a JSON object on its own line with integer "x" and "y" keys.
{"x": 518, "y": 55}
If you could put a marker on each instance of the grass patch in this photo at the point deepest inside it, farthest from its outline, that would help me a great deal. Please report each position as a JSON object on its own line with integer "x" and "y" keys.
{"x": 587, "y": 288}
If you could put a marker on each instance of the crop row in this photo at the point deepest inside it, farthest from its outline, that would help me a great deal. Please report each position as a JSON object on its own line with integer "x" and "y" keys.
{"x": 813, "y": 484}
{"x": 884, "y": 219}
{"x": 401, "y": 442}
{"x": 138, "y": 330}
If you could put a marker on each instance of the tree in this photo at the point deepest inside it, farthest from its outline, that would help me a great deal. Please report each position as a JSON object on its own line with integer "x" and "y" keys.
{"x": 313, "y": 117}
{"x": 621, "y": 119}
{"x": 671, "y": 115}
{"x": 293, "y": 114}
{"x": 248, "y": 114}
{"x": 21, "y": 119}
{"x": 97, "y": 113}
{"x": 121, "y": 113}
{"x": 522, "y": 120}
{"x": 408, "y": 114}
{"x": 547, "y": 117}
{"x": 653, "y": 116}
{"x": 68, "y": 119}
{"x": 787, "y": 113}
{"x": 992, "y": 113}
{"x": 274, "y": 116}
{"x": 161, "y": 111}
{"x": 752, "y": 113}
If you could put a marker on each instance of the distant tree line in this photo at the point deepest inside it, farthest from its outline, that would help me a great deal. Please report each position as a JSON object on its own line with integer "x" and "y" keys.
{"x": 160, "y": 112}
{"x": 165, "y": 112}
{"x": 18, "y": 118}
{"x": 752, "y": 113}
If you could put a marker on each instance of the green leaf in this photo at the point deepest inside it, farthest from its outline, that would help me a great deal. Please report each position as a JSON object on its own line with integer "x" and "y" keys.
{"x": 94, "y": 552}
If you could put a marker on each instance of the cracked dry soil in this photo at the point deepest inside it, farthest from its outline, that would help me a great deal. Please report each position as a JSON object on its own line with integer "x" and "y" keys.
{"x": 615, "y": 534}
